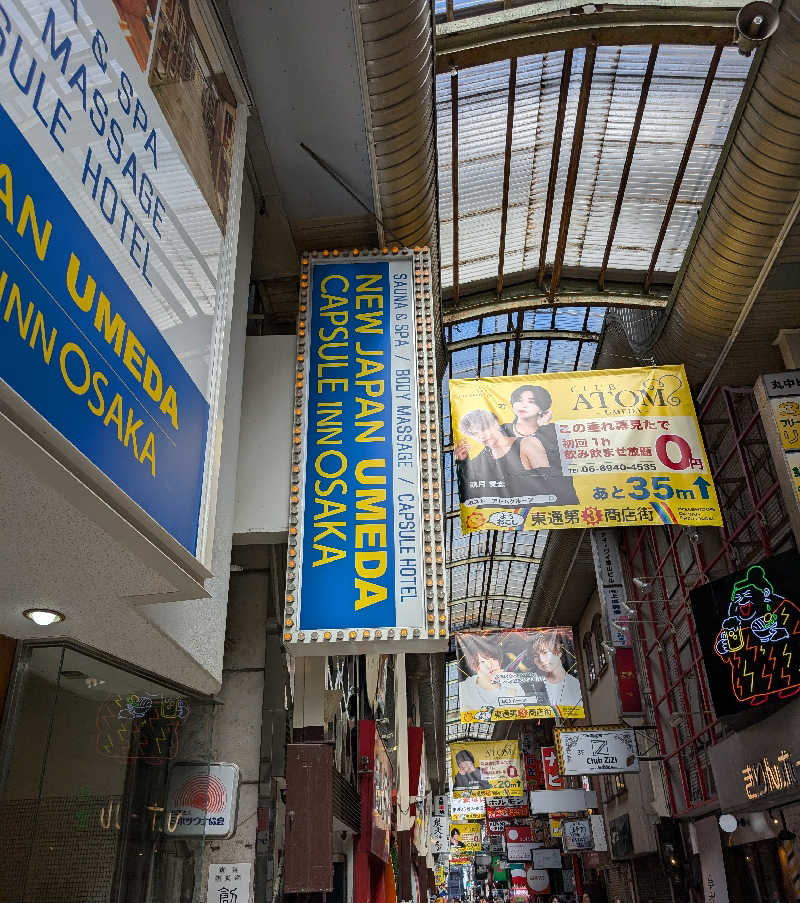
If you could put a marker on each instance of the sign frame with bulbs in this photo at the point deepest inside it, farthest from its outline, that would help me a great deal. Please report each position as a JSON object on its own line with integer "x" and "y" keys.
{"x": 366, "y": 547}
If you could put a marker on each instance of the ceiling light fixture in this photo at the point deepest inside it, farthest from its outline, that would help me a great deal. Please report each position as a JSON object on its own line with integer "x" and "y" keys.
{"x": 43, "y": 617}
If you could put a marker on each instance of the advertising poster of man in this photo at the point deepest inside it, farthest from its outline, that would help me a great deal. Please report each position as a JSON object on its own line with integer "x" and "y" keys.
{"x": 512, "y": 675}
{"x": 485, "y": 768}
{"x": 572, "y": 450}
{"x": 465, "y": 837}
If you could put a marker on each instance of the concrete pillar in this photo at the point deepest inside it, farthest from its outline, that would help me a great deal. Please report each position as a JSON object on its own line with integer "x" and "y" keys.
{"x": 309, "y": 699}
{"x": 237, "y": 723}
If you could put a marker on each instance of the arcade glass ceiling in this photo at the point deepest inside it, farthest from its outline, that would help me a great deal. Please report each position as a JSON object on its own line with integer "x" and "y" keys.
{"x": 570, "y": 183}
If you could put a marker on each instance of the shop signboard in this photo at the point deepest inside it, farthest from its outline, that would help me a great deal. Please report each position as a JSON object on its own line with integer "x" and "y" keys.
{"x": 607, "y": 448}
{"x": 576, "y": 834}
{"x": 497, "y": 826}
{"x": 554, "y": 801}
{"x": 513, "y": 675}
{"x": 596, "y": 750}
{"x": 117, "y": 246}
{"x": 485, "y": 768}
{"x": 228, "y": 882}
{"x": 365, "y": 439}
{"x": 468, "y": 808}
{"x": 760, "y": 765}
{"x": 499, "y": 868}
{"x": 749, "y": 631}
{"x": 465, "y": 837}
{"x": 516, "y": 807}
{"x": 534, "y": 774}
{"x": 547, "y": 858}
{"x": 202, "y": 799}
{"x": 518, "y": 843}
{"x": 599, "y": 841}
{"x": 552, "y": 776}
{"x": 538, "y": 880}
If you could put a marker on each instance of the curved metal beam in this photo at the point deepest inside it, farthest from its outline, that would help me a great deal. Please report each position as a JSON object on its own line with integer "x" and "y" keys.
{"x": 567, "y": 335}
{"x": 571, "y": 293}
{"x": 475, "y": 559}
{"x": 490, "y": 38}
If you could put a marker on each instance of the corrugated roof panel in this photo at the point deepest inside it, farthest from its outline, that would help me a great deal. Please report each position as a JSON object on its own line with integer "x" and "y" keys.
{"x": 617, "y": 80}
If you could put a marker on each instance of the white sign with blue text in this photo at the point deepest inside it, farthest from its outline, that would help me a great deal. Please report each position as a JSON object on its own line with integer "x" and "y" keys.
{"x": 203, "y": 799}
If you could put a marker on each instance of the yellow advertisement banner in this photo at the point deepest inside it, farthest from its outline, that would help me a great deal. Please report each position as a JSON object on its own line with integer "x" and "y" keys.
{"x": 786, "y": 412}
{"x": 485, "y": 768}
{"x": 598, "y": 448}
{"x": 465, "y": 837}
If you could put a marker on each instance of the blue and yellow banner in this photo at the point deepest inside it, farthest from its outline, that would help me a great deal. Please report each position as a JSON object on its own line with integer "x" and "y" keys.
{"x": 600, "y": 448}
{"x": 359, "y": 558}
{"x": 77, "y": 346}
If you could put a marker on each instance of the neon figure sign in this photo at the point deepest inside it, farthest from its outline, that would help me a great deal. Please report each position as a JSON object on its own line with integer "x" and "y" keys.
{"x": 749, "y": 631}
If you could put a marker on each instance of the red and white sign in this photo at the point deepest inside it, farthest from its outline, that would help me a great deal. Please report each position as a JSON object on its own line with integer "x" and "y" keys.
{"x": 552, "y": 776}
{"x": 519, "y": 811}
{"x": 538, "y": 880}
{"x": 534, "y": 774}
{"x": 518, "y": 843}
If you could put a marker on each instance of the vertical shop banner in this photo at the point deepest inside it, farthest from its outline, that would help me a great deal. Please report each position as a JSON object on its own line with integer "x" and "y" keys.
{"x": 465, "y": 837}
{"x": 485, "y": 768}
{"x": 114, "y": 182}
{"x": 510, "y": 675}
{"x": 630, "y": 694}
{"x": 439, "y": 834}
{"x": 552, "y": 776}
{"x": 748, "y": 625}
{"x": 610, "y": 584}
{"x": 603, "y": 448}
{"x": 778, "y": 397}
{"x": 358, "y": 561}
{"x": 534, "y": 773}
{"x": 709, "y": 847}
{"x": 377, "y": 784}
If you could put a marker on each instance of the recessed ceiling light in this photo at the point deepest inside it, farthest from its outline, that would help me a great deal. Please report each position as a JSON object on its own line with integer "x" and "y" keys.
{"x": 44, "y": 617}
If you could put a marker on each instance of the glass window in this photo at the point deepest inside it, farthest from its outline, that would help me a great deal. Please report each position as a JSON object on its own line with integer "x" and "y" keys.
{"x": 86, "y": 804}
{"x": 588, "y": 660}
{"x": 597, "y": 631}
